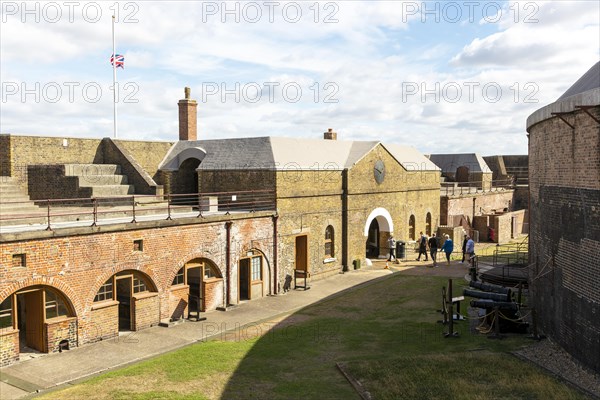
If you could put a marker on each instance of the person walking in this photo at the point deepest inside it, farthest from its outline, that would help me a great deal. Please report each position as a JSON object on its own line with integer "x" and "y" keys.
{"x": 392, "y": 246}
{"x": 448, "y": 247}
{"x": 433, "y": 248}
{"x": 470, "y": 248}
{"x": 422, "y": 246}
{"x": 464, "y": 248}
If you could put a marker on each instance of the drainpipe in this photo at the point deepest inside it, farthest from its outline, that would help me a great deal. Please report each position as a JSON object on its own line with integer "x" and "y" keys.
{"x": 275, "y": 246}
{"x": 345, "y": 250}
{"x": 228, "y": 262}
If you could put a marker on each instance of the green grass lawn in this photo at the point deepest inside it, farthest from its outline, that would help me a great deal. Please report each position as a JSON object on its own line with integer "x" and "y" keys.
{"x": 385, "y": 333}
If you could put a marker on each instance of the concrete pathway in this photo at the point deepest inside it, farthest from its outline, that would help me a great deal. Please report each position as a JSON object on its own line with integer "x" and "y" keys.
{"x": 49, "y": 371}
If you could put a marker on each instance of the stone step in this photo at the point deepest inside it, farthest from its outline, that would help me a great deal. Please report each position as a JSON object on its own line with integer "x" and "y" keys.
{"x": 12, "y": 197}
{"x": 91, "y": 169}
{"x": 101, "y": 180}
{"x": 112, "y": 190}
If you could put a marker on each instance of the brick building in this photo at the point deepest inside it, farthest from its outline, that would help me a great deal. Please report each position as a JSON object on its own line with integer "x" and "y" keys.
{"x": 564, "y": 179}
{"x": 333, "y": 204}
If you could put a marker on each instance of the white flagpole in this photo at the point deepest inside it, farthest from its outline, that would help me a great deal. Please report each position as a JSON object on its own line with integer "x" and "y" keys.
{"x": 114, "y": 63}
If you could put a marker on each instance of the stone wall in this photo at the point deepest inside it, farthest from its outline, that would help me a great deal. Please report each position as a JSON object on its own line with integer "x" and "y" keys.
{"x": 564, "y": 179}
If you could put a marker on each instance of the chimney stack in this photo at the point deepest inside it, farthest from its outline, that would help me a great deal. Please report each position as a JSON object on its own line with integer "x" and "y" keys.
{"x": 330, "y": 135}
{"x": 188, "y": 120}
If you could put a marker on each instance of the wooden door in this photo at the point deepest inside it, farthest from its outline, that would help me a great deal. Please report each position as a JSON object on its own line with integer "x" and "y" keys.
{"x": 124, "y": 289}
{"x": 34, "y": 319}
{"x": 245, "y": 290}
{"x": 302, "y": 253}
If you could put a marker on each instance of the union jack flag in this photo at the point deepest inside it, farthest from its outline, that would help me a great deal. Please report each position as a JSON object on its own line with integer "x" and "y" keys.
{"x": 120, "y": 61}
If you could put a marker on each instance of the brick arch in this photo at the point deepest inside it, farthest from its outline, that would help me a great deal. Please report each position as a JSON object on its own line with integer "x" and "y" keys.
{"x": 100, "y": 279}
{"x": 53, "y": 282}
{"x": 184, "y": 260}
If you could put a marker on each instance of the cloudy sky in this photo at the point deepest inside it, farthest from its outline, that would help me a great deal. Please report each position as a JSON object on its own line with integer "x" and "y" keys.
{"x": 439, "y": 76}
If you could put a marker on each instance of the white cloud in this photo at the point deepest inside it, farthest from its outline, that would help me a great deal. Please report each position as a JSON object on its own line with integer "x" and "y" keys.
{"x": 370, "y": 55}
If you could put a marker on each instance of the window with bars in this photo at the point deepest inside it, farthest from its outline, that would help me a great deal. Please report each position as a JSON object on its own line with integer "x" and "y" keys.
{"x": 6, "y": 319}
{"x": 55, "y": 305}
{"x": 179, "y": 278}
{"x": 105, "y": 292}
{"x": 329, "y": 242}
{"x": 256, "y": 268}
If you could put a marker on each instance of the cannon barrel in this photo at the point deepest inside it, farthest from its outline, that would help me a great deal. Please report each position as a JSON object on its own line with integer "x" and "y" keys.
{"x": 485, "y": 295}
{"x": 488, "y": 287}
{"x": 502, "y": 305}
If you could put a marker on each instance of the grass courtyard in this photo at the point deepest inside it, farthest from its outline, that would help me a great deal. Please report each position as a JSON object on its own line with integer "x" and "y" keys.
{"x": 384, "y": 333}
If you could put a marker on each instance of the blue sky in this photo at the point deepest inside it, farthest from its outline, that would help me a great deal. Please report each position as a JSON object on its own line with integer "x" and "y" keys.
{"x": 370, "y": 70}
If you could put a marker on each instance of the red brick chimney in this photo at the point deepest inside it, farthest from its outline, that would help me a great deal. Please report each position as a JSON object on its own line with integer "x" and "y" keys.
{"x": 330, "y": 135}
{"x": 188, "y": 120}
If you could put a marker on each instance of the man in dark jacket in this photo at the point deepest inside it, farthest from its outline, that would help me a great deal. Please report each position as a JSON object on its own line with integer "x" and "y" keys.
{"x": 422, "y": 246}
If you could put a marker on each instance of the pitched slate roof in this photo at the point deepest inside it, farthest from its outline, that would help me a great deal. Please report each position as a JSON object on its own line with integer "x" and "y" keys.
{"x": 286, "y": 153}
{"x": 450, "y": 162}
{"x": 588, "y": 81}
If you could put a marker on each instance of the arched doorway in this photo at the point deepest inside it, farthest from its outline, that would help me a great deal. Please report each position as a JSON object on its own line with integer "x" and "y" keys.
{"x": 43, "y": 316}
{"x": 373, "y": 240}
{"x": 185, "y": 181}
{"x": 205, "y": 286}
{"x": 130, "y": 290}
{"x": 377, "y": 227}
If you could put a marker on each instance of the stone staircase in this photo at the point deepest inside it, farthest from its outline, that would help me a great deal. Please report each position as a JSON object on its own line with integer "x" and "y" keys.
{"x": 99, "y": 180}
{"x": 15, "y": 203}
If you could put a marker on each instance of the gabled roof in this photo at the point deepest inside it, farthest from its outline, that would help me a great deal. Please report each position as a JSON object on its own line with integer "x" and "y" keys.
{"x": 411, "y": 158}
{"x": 450, "y": 162}
{"x": 280, "y": 153}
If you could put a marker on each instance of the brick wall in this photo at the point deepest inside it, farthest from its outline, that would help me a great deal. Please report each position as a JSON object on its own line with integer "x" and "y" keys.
{"x": 5, "y": 155}
{"x": 178, "y": 301}
{"x": 145, "y": 310}
{"x": 80, "y": 262}
{"x": 59, "y": 330}
{"x": 103, "y": 322}
{"x": 9, "y": 346}
{"x": 484, "y": 204}
{"x": 212, "y": 291}
{"x": 564, "y": 170}
{"x": 18, "y": 152}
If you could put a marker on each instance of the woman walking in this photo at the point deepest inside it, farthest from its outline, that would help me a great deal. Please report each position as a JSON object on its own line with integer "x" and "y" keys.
{"x": 448, "y": 247}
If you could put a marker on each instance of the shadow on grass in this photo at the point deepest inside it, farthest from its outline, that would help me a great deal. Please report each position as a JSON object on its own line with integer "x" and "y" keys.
{"x": 386, "y": 331}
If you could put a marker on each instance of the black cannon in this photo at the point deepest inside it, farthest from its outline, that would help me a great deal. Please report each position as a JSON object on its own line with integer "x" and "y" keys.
{"x": 490, "y": 296}
{"x": 488, "y": 287}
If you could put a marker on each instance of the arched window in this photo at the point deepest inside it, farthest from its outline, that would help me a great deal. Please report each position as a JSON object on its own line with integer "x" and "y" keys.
{"x": 6, "y": 319}
{"x": 180, "y": 277}
{"x": 411, "y": 228}
{"x": 138, "y": 283}
{"x": 428, "y": 224}
{"x": 329, "y": 242}
{"x": 55, "y": 306}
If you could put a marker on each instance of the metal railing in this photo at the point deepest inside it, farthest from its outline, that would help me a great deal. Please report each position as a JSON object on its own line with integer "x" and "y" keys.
{"x": 131, "y": 207}
{"x": 474, "y": 187}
